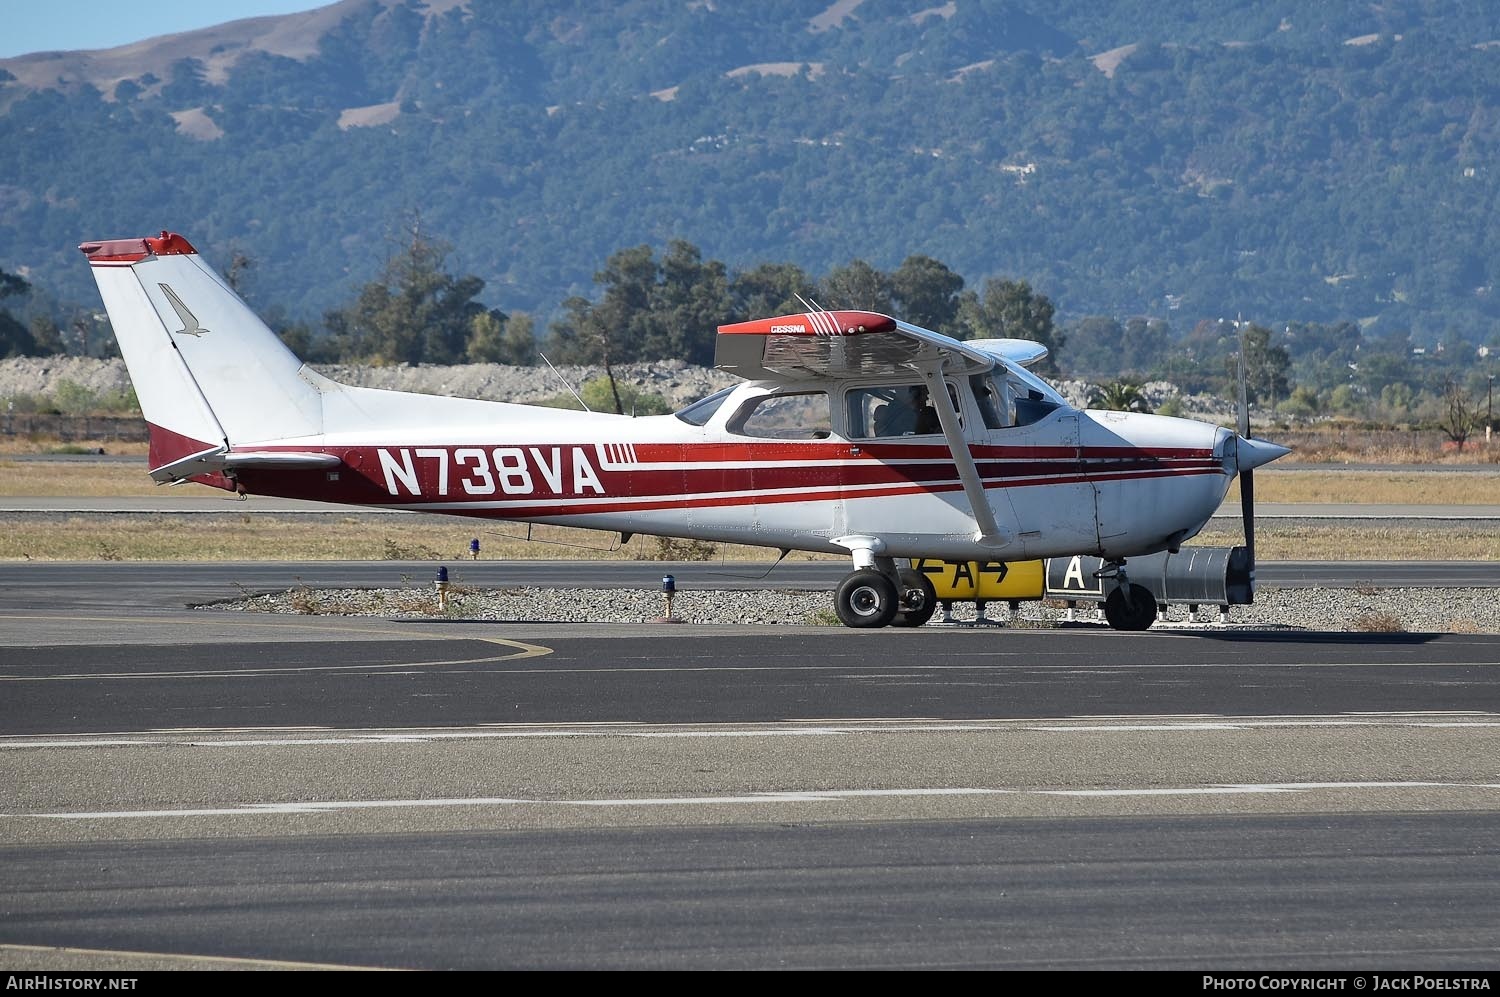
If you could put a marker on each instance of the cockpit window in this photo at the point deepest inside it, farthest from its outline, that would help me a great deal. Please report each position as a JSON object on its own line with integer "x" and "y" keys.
{"x": 1032, "y": 407}
{"x": 800, "y": 416}
{"x": 698, "y": 413}
{"x": 1036, "y": 388}
{"x": 1032, "y": 397}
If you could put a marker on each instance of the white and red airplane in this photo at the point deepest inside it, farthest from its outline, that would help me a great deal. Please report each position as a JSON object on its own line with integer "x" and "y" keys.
{"x": 853, "y": 433}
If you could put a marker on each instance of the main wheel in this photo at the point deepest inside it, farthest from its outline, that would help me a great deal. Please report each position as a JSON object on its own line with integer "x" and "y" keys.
{"x": 865, "y": 599}
{"x": 918, "y": 599}
{"x": 1131, "y": 607}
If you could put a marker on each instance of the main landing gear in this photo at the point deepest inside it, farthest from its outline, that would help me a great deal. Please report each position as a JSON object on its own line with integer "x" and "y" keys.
{"x": 881, "y": 595}
{"x": 875, "y": 597}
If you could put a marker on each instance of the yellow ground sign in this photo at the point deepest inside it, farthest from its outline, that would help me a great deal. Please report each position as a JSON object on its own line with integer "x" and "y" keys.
{"x": 983, "y": 579}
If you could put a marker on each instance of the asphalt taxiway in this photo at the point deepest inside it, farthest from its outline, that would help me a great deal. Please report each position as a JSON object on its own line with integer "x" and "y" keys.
{"x": 189, "y": 789}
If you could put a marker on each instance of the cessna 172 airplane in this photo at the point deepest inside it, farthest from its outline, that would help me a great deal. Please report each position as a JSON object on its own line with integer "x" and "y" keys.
{"x": 852, "y": 433}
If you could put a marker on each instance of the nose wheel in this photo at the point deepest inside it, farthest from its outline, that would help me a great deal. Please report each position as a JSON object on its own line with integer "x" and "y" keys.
{"x": 1130, "y": 607}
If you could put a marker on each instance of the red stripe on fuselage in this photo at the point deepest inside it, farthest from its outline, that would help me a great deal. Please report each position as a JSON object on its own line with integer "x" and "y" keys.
{"x": 549, "y": 488}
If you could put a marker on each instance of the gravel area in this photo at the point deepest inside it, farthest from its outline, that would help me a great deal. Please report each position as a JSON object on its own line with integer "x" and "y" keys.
{"x": 1457, "y": 610}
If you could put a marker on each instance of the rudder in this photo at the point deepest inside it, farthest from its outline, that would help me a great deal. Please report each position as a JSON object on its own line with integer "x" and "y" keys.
{"x": 207, "y": 371}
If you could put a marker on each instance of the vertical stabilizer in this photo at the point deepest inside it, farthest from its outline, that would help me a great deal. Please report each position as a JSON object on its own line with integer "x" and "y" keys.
{"x": 208, "y": 373}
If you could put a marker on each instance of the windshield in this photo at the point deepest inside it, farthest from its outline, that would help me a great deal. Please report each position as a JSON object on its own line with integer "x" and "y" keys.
{"x": 1046, "y": 392}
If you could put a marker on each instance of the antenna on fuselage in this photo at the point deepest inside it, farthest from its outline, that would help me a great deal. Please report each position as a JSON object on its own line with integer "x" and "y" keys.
{"x": 565, "y": 383}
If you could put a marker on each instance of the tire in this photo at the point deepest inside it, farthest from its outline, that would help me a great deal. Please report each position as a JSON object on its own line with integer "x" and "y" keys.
{"x": 866, "y": 600}
{"x": 918, "y": 599}
{"x": 1130, "y": 608}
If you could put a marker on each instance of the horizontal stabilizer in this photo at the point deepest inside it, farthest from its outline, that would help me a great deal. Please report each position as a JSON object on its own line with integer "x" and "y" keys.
{"x": 183, "y": 468}
{"x": 280, "y": 460}
{"x": 217, "y": 459}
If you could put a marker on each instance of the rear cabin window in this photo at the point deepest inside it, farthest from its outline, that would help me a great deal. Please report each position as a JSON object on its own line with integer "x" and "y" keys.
{"x": 800, "y": 416}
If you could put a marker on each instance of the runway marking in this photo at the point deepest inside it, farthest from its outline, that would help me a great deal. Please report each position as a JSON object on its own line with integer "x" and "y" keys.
{"x": 215, "y": 961}
{"x": 304, "y": 807}
{"x": 522, "y": 651}
{"x": 261, "y": 737}
{"x": 535, "y": 650}
{"x": 294, "y": 623}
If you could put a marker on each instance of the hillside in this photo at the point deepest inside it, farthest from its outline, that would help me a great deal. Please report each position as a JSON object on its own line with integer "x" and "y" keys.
{"x": 1125, "y": 158}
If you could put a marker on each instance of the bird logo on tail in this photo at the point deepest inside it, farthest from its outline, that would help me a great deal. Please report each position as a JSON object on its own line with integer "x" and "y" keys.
{"x": 190, "y": 326}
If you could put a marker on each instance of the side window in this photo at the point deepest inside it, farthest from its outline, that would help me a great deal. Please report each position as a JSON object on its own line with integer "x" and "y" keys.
{"x": 898, "y": 410}
{"x": 698, "y": 413}
{"x": 802, "y": 416}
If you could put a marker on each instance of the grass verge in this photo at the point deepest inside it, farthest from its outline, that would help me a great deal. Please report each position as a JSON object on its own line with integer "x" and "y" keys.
{"x": 240, "y": 537}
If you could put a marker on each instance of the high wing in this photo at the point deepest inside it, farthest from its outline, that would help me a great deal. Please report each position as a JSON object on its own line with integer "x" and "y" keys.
{"x": 846, "y": 344}
{"x": 856, "y": 344}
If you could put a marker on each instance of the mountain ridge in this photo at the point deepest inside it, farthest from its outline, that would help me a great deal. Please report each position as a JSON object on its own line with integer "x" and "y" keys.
{"x": 1123, "y": 158}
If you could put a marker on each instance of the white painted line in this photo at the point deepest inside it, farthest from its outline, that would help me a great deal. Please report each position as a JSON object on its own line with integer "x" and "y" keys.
{"x": 321, "y": 737}
{"x": 331, "y": 806}
{"x": 1187, "y": 791}
{"x": 1112, "y": 728}
{"x": 769, "y": 797}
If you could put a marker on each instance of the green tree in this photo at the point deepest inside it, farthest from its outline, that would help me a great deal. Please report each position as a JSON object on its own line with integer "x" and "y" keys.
{"x": 72, "y": 398}
{"x": 415, "y": 312}
{"x": 598, "y": 394}
{"x": 498, "y": 338}
{"x": 688, "y": 304}
{"x": 769, "y": 289}
{"x": 1094, "y": 346}
{"x": 650, "y": 310}
{"x": 927, "y": 293}
{"x": 46, "y": 336}
{"x": 1010, "y": 309}
{"x": 15, "y": 339}
{"x": 1266, "y": 365}
{"x": 857, "y": 285}
{"x": 1144, "y": 343}
{"x": 1119, "y": 396}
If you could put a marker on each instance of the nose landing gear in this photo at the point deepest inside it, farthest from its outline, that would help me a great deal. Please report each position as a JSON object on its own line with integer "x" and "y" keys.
{"x": 1129, "y": 606}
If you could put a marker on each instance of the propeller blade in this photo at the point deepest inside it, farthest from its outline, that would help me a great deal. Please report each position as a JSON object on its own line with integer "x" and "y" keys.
{"x": 1244, "y": 410}
{"x": 1247, "y": 511}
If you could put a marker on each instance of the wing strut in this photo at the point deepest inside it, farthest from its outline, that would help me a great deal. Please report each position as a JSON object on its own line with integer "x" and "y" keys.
{"x": 990, "y": 534}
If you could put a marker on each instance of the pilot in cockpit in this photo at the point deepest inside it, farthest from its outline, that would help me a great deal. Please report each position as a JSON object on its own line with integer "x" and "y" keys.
{"x": 907, "y": 413}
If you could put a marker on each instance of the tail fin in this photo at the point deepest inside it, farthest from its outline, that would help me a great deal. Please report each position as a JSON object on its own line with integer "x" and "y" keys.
{"x": 208, "y": 373}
